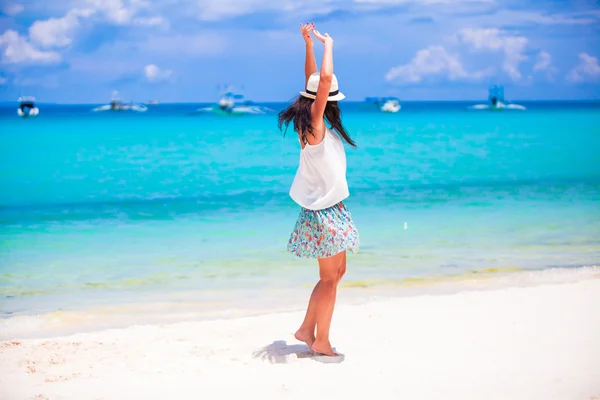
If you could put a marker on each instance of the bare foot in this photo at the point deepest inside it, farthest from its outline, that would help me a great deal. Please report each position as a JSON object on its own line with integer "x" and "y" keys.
{"x": 305, "y": 336}
{"x": 323, "y": 347}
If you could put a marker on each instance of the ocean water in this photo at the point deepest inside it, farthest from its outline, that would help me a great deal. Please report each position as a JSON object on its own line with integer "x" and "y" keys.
{"x": 100, "y": 209}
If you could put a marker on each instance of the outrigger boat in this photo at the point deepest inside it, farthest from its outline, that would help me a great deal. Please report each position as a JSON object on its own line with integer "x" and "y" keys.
{"x": 496, "y": 101}
{"x": 117, "y": 105}
{"x": 385, "y": 104}
{"x": 231, "y": 103}
{"x": 27, "y": 107}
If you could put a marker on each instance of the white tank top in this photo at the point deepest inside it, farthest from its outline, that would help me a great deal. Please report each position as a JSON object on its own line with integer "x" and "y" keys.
{"x": 320, "y": 181}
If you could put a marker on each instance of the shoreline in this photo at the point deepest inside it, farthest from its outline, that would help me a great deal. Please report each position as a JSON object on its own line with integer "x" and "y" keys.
{"x": 513, "y": 342}
{"x": 187, "y": 307}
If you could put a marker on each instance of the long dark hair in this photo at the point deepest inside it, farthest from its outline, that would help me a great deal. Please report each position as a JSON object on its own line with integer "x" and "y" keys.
{"x": 298, "y": 113}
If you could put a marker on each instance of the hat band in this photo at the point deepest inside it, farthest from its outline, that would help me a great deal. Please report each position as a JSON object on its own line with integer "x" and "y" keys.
{"x": 315, "y": 93}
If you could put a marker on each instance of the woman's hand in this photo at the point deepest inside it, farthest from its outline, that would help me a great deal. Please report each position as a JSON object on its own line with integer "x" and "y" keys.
{"x": 306, "y": 29}
{"x": 326, "y": 39}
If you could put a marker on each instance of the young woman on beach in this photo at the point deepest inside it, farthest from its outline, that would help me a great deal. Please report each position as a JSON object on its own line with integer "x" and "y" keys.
{"x": 324, "y": 229}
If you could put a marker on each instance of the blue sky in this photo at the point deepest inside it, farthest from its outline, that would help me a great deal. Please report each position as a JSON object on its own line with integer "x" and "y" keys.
{"x": 181, "y": 50}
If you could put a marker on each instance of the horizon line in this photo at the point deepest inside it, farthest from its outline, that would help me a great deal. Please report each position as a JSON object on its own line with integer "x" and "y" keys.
{"x": 589, "y": 100}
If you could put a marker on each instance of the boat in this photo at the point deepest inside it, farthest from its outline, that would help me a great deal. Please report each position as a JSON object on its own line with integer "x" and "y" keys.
{"x": 117, "y": 105}
{"x": 152, "y": 102}
{"x": 496, "y": 101}
{"x": 385, "y": 104}
{"x": 27, "y": 107}
{"x": 232, "y": 103}
{"x": 391, "y": 106}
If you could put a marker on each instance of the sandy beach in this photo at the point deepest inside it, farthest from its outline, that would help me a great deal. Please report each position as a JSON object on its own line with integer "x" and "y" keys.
{"x": 536, "y": 342}
{"x": 173, "y": 174}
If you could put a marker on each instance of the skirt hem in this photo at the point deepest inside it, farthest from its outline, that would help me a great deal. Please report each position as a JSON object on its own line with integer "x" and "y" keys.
{"x": 299, "y": 254}
{"x": 323, "y": 233}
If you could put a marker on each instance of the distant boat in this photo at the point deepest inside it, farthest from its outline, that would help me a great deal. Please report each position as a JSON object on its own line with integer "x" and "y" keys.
{"x": 27, "y": 107}
{"x": 232, "y": 103}
{"x": 152, "y": 102}
{"x": 496, "y": 101}
{"x": 385, "y": 104}
{"x": 117, "y": 105}
{"x": 391, "y": 106}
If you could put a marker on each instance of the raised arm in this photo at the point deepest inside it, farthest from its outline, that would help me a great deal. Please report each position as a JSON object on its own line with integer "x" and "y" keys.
{"x": 310, "y": 64}
{"x": 326, "y": 76}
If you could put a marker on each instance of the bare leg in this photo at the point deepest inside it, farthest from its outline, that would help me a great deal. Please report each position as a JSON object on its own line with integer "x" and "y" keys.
{"x": 306, "y": 332}
{"x": 342, "y": 267}
{"x": 329, "y": 271}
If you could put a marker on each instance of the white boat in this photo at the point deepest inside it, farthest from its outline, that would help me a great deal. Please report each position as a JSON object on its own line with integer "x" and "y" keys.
{"x": 392, "y": 106}
{"x": 385, "y": 104}
{"x": 231, "y": 103}
{"x": 117, "y": 105}
{"x": 27, "y": 107}
{"x": 496, "y": 101}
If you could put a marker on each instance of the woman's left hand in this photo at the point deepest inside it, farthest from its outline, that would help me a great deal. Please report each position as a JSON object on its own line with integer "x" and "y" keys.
{"x": 326, "y": 39}
{"x": 306, "y": 29}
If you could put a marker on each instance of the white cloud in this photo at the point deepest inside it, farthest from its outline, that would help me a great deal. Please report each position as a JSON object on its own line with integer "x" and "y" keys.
{"x": 13, "y": 9}
{"x": 433, "y": 61}
{"x": 125, "y": 12}
{"x": 544, "y": 61}
{"x": 587, "y": 69}
{"x": 60, "y": 32}
{"x": 57, "y": 32}
{"x": 18, "y": 50}
{"x": 544, "y": 64}
{"x": 154, "y": 74}
{"x": 493, "y": 39}
{"x": 114, "y": 10}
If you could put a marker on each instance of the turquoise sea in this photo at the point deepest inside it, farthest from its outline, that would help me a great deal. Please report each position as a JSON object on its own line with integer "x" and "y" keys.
{"x": 107, "y": 209}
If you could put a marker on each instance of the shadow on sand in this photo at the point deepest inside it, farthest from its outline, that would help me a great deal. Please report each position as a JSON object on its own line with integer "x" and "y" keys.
{"x": 279, "y": 352}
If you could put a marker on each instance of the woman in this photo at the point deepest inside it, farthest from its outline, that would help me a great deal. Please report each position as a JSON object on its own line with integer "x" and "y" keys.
{"x": 324, "y": 229}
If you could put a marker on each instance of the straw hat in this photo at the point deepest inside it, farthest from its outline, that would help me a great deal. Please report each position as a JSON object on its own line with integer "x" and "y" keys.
{"x": 313, "y": 84}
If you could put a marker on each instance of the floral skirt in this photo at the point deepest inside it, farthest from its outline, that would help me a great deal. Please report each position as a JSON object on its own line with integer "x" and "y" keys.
{"x": 323, "y": 233}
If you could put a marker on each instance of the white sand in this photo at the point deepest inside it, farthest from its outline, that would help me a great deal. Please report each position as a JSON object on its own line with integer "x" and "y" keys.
{"x": 527, "y": 343}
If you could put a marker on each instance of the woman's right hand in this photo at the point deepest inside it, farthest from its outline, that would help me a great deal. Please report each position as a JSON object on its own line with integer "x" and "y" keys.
{"x": 306, "y": 29}
{"x": 326, "y": 39}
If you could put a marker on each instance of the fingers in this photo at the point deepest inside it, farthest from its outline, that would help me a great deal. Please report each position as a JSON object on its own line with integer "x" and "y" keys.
{"x": 306, "y": 29}
{"x": 307, "y": 26}
{"x": 319, "y": 36}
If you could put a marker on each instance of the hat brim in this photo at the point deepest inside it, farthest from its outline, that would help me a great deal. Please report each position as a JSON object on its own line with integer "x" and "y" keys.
{"x": 337, "y": 97}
